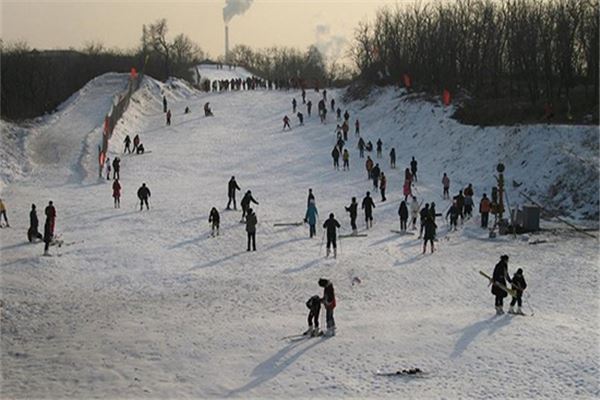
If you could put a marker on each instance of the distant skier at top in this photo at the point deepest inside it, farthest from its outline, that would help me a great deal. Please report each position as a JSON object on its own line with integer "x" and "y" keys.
{"x": 232, "y": 186}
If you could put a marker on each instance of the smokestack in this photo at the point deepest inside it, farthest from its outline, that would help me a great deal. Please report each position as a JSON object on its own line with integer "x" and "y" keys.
{"x": 226, "y": 43}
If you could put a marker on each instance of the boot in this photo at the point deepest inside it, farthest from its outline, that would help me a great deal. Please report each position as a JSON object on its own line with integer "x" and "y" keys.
{"x": 499, "y": 310}
{"x": 334, "y": 252}
{"x": 424, "y": 248}
{"x": 519, "y": 311}
{"x": 309, "y": 331}
{"x": 327, "y": 253}
{"x": 511, "y": 310}
{"x": 315, "y": 332}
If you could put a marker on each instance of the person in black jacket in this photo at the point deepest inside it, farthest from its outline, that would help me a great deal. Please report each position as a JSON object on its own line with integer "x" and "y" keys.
{"x": 47, "y": 235}
{"x": 214, "y": 218}
{"x": 393, "y": 158}
{"x": 353, "y": 210}
{"x": 311, "y": 196}
{"x": 375, "y": 174}
{"x": 403, "y": 213}
{"x": 379, "y": 148}
{"x": 335, "y": 154}
{"x": 518, "y": 285}
{"x": 413, "y": 168}
{"x": 331, "y": 225}
{"x": 499, "y": 279}
{"x": 460, "y": 204}
{"x": 453, "y": 213}
{"x": 116, "y": 168}
{"x": 328, "y": 301}
{"x": 314, "y": 305}
{"x": 368, "y": 205}
{"x": 33, "y": 233}
{"x": 143, "y": 194}
{"x": 430, "y": 228}
{"x": 232, "y": 186}
{"x": 251, "y": 222}
{"x": 127, "y": 142}
{"x": 245, "y": 203}
{"x": 424, "y": 213}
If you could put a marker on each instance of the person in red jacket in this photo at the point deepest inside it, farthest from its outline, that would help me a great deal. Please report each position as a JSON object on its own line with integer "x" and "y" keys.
{"x": 116, "y": 187}
{"x": 484, "y": 209}
{"x": 328, "y": 301}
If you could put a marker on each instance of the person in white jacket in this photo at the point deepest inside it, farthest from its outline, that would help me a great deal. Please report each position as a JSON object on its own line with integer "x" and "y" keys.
{"x": 414, "y": 211}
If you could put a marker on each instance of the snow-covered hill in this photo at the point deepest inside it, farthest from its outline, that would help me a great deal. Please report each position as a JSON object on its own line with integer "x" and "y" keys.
{"x": 146, "y": 304}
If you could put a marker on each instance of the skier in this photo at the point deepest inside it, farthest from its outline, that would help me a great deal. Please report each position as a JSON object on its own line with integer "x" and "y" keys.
{"x": 403, "y": 214}
{"x": 164, "y": 104}
{"x": 382, "y": 186}
{"x": 408, "y": 176}
{"x": 361, "y": 148}
{"x": 453, "y": 214}
{"x": 300, "y": 118}
{"x": 345, "y": 129}
{"x": 294, "y": 106}
{"x": 460, "y": 203}
{"x": 407, "y": 190}
{"x": 143, "y": 193}
{"x": 332, "y": 105}
{"x": 308, "y": 107}
{"x": 47, "y": 235}
{"x": 187, "y": 110}
{"x": 346, "y": 158}
{"x": 214, "y": 218}
{"x": 368, "y": 205}
{"x": 369, "y": 166}
{"x": 424, "y": 214}
{"x": 393, "y": 158}
{"x": 331, "y": 225}
{"x": 245, "y": 203}
{"x": 352, "y": 209}
{"x": 116, "y": 168}
{"x": 329, "y": 303}
{"x": 369, "y": 146}
{"x": 303, "y": 96}
{"x": 107, "y": 162}
{"x": 356, "y": 127}
{"x": 127, "y": 142}
{"x": 286, "y": 123}
{"x": 375, "y": 173}
{"x": 429, "y": 236}
{"x": 116, "y": 187}
{"x": 484, "y": 210}
{"x": 500, "y": 277}
{"x": 3, "y": 213}
{"x": 232, "y": 186}
{"x": 346, "y": 116}
{"x": 168, "y": 117}
{"x": 413, "y": 168}
{"x": 311, "y": 217}
{"x": 335, "y": 154}
{"x": 468, "y": 207}
{"x": 140, "y": 149}
{"x": 414, "y": 211}
{"x": 50, "y": 213}
{"x": 251, "y": 222}
{"x": 136, "y": 142}
{"x": 518, "y": 285}
{"x": 325, "y": 95}
{"x": 446, "y": 184}
{"x": 379, "y": 147}
{"x": 311, "y": 196}
{"x": 314, "y": 305}
{"x": 338, "y": 114}
{"x": 207, "y": 110}
{"x": 33, "y": 233}
{"x": 468, "y": 192}
{"x": 432, "y": 211}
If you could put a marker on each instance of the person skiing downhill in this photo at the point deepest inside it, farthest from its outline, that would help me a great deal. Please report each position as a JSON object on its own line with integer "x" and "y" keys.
{"x": 368, "y": 205}
{"x": 245, "y": 203}
{"x": 329, "y": 302}
{"x": 338, "y": 114}
{"x": 369, "y": 166}
{"x": 352, "y": 209}
{"x": 346, "y": 116}
{"x": 499, "y": 278}
{"x": 300, "y": 118}
{"x": 460, "y": 204}
{"x": 453, "y": 214}
{"x": 286, "y": 123}
{"x": 331, "y": 225}
{"x": 314, "y": 305}
{"x": 403, "y": 214}
{"x": 32, "y": 232}
{"x": 251, "y": 222}
{"x": 446, "y": 185}
{"x": 393, "y": 158}
{"x": 116, "y": 187}
{"x": 413, "y": 169}
{"x": 232, "y": 186}
{"x": 375, "y": 174}
{"x": 518, "y": 285}
{"x": 143, "y": 194}
{"x": 311, "y": 217}
{"x": 214, "y": 219}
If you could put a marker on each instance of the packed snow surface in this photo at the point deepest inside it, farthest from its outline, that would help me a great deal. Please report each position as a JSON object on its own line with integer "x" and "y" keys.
{"x": 148, "y": 305}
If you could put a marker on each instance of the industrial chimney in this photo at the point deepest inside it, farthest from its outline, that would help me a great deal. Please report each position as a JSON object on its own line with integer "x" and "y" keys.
{"x": 226, "y": 43}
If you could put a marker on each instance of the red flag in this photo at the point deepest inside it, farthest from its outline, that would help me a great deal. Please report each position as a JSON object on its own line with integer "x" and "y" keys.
{"x": 446, "y": 97}
{"x": 406, "y": 79}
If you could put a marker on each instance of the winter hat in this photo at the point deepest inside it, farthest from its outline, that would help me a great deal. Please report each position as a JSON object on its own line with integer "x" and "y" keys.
{"x": 249, "y": 210}
{"x": 331, "y": 215}
{"x": 520, "y": 271}
{"x": 504, "y": 257}
{"x": 323, "y": 282}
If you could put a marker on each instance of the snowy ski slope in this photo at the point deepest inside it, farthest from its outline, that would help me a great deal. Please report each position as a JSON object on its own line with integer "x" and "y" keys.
{"x": 147, "y": 305}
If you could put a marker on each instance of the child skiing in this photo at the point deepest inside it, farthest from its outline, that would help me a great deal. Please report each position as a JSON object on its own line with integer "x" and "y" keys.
{"x": 314, "y": 305}
{"x": 518, "y": 285}
{"x": 214, "y": 218}
{"x": 116, "y": 187}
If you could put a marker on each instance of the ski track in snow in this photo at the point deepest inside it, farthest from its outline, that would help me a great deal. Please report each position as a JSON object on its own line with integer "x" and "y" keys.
{"x": 149, "y": 305}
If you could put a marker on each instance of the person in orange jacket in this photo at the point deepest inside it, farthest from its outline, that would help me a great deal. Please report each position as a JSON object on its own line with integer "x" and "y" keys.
{"x": 484, "y": 209}
{"x": 369, "y": 167}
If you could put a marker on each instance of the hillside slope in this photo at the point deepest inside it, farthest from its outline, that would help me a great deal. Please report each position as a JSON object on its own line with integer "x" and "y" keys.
{"x": 148, "y": 305}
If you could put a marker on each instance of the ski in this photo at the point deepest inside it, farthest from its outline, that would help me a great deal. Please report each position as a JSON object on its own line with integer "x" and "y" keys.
{"x": 352, "y": 235}
{"x": 288, "y": 224}
{"x": 511, "y": 292}
{"x": 402, "y": 232}
{"x": 411, "y": 372}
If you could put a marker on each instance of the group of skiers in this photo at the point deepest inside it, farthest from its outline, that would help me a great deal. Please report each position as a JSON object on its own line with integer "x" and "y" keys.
{"x": 314, "y": 306}
{"x": 49, "y": 224}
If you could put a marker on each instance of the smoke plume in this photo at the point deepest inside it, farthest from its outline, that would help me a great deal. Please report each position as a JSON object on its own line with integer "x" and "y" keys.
{"x": 235, "y": 7}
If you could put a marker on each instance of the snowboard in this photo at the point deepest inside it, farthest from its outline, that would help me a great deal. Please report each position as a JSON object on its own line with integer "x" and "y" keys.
{"x": 511, "y": 292}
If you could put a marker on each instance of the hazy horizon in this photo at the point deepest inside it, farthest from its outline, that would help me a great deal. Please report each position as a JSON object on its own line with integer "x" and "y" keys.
{"x": 73, "y": 24}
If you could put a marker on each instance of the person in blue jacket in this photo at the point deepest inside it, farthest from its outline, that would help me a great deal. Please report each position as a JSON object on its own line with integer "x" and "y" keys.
{"x": 311, "y": 217}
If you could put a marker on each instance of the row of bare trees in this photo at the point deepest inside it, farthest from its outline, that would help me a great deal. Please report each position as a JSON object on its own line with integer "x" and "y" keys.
{"x": 491, "y": 48}
{"x": 34, "y": 82}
